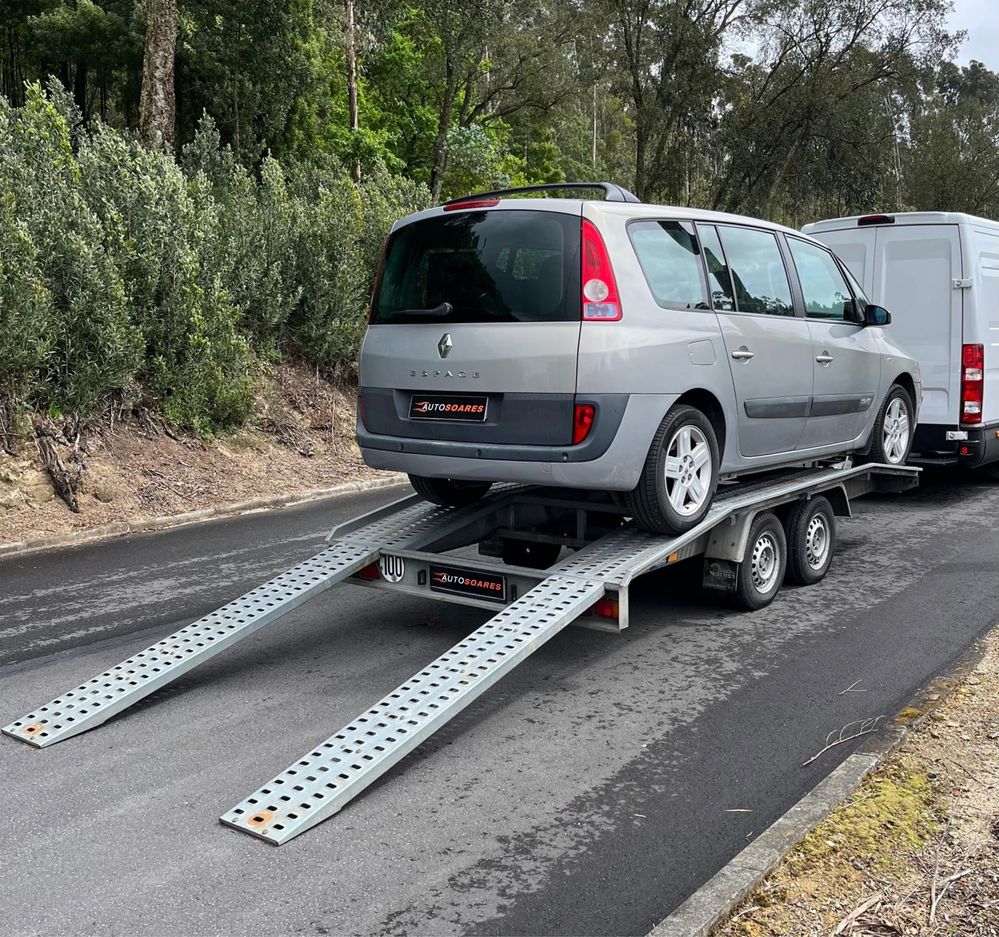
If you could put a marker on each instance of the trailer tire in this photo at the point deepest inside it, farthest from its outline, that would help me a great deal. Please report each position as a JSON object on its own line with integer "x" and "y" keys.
{"x": 761, "y": 572}
{"x": 811, "y": 541}
{"x": 650, "y": 503}
{"x": 448, "y": 492}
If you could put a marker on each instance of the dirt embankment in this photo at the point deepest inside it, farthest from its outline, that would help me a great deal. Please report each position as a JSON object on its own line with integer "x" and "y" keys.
{"x": 915, "y": 850}
{"x": 302, "y": 438}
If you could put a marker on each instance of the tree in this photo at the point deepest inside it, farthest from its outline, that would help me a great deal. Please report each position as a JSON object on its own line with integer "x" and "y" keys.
{"x": 157, "y": 105}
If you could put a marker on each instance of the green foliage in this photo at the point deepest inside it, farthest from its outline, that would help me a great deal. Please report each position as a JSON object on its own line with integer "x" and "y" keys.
{"x": 125, "y": 273}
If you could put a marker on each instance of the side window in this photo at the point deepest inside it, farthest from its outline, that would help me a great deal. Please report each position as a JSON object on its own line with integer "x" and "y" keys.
{"x": 858, "y": 290}
{"x": 719, "y": 279}
{"x": 668, "y": 254}
{"x": 759, "y": 278}
{"x": 826, "y": 292}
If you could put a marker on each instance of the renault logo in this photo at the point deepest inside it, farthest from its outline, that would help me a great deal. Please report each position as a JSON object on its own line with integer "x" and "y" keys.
{"x": 444, "y": 345}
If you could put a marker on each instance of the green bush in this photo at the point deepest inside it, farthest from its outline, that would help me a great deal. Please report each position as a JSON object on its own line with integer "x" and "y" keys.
{"x": 125, "y": 273}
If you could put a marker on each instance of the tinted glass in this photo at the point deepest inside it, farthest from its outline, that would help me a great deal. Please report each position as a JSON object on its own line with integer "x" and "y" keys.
{"x": 667, "y": 251}
{"x": 719, "y": 279}
{"x": 759, "y": 277}
{"x": 489, "y": 266}
{"x": 823, "y": 286}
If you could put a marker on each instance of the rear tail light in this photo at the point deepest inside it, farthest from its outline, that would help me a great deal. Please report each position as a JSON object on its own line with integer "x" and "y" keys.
{"x": 370, "y": 571}
{"x": 875, "y": 219}
{"x": 601, "y": 302}
{"x": 360, "y": 411}
{"x": 582, "y": 421}
{"x": 605, "y": 608}
{"x": 972, "y": 382}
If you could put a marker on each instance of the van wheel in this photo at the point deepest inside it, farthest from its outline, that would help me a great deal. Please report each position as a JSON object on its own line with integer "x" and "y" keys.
{"x": 811, "y": 540}
{"x": 761, "y": 573}
{"x": 448, "y": 492}
{"x": 680, "y": 474}
{"x": 891, "y": 438}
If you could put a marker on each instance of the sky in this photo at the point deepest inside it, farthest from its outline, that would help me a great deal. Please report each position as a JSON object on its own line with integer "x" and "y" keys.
{"x": 980, "y": 19}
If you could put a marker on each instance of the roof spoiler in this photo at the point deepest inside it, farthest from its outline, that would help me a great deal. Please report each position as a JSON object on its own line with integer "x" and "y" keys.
{"x": 612, "y": 192}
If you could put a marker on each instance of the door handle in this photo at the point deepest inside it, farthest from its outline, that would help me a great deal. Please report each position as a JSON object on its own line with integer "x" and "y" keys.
{"x": 743, "y": 354}
{"x": 824, "y": 358}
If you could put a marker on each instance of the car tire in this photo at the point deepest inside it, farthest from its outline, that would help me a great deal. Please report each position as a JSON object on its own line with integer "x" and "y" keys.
{"x": 761, "y": 573}
{"x": 811, "y": 541}
{"x": 448, "y": 492}
{"x": 890, "y": 439}
{"x": 676, "y": 488}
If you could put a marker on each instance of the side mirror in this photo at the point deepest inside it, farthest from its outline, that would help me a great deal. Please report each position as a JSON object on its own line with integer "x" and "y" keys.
{"x": 876, "y": 315}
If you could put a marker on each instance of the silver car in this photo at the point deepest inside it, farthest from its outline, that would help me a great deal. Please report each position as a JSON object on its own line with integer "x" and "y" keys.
{"x": 611, "y": 345}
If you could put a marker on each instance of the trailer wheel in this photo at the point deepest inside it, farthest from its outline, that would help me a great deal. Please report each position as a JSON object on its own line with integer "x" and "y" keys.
{"x": 811, "y": 541}
{"x": 531, "y": 555}
{"x": 761, "y": 573}
{"x": 448, "y": 492}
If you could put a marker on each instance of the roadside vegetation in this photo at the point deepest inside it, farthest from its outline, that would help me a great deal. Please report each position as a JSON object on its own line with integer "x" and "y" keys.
{"x": 194, "y": 194}
{"x": 915, "y": 849}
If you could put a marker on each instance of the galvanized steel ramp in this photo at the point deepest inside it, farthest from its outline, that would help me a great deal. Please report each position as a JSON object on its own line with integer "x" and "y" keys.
{"x": 320, "y": 783}
{"x": 94, "y": 702}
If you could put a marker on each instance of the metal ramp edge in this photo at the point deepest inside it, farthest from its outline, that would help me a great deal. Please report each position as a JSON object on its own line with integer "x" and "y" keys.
{"x": 324, "y": 780}
{"x": 107, "y": 694}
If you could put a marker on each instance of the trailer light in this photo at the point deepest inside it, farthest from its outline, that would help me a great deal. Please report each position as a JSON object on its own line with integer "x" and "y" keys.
{"x": 370, "y": 572}
{"x": 605, "y": 608}
{"x": 972, "y": 382}
{"x": 582, "y": 422}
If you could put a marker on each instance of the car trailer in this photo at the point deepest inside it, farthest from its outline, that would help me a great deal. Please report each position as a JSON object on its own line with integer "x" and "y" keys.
{"x": 752, "y": 533}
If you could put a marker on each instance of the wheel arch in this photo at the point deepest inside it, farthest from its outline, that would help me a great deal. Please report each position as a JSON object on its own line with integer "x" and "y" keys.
{"x": 711, "y": 407}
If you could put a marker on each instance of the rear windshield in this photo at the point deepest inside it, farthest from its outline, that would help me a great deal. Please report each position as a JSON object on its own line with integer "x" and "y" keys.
{"x": 484, "y": 266}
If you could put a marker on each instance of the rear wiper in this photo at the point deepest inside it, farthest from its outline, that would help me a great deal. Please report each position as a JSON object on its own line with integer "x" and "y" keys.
{"x": 440, "y": 311}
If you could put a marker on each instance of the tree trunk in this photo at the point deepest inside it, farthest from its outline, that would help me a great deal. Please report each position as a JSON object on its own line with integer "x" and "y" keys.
{"x": 438, "y": 160}
{"x": 352, "y": 80}
{"x": 157, "y": 103}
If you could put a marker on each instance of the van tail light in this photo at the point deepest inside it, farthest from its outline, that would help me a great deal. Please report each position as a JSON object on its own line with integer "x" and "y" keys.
{"x": 601, "y": 302}
{"x": 972, "y": 382}
{"x": 360, "y": 411}
{"x": 582, "y": 421}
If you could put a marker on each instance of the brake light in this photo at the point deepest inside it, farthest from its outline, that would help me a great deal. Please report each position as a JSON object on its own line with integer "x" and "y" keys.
{"x": 875, "y": 219}
{"x": 472, "y": 203}
{"x": 582, "y": 421}
{"x": 605, "y": 608}
{"x": 600, "y": 298}
{"x": 972, "y": 382}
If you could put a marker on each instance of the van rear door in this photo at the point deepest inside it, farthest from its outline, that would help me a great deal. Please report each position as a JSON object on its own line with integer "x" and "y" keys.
{"x": 474, "y": 329}
{"x": 909, "y": 269}
{"x": 914, "y": 271}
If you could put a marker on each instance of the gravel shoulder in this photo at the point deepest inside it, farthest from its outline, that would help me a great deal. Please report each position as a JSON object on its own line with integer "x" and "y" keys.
{"x": 915, "y": 850}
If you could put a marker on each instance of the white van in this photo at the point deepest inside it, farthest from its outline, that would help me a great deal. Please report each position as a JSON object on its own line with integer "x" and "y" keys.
{"x": 938, "y": 274}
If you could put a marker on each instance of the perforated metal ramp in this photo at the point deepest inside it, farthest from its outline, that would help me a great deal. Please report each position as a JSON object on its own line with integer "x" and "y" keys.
{"x": 320, "y": 783}
{"x": 97, "y": 700}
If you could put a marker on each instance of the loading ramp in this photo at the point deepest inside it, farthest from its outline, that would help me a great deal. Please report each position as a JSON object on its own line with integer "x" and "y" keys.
{"x": 413, "y": 547}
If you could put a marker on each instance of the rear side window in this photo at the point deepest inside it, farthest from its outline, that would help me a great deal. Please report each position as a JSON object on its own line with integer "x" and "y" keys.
{"x": 759, "y": 277}
{"x": 825, "y": 290}
{"x": 669, "y": 256}
{"x": 487, "y": 266}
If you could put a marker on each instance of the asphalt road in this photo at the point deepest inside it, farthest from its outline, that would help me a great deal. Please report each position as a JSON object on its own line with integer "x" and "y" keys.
{"x": 587, "y": 793}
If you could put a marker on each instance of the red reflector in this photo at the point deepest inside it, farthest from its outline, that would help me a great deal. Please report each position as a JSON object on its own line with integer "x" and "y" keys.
{"x": 370, "y": 572}
{"x": 601, "y": 302}
{"x": 605, "y": 608}
{"x": 972, "y": 383}
{"x": 875, "y": 219}
{"x": 362, "y": 416}
{"x": 582, "y": 421}
{"x": 472, "y": 203}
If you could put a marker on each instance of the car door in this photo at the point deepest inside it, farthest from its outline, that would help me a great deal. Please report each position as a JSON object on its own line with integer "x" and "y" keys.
{"x": 768, "y": 346}
{"x": 847, "y": 356}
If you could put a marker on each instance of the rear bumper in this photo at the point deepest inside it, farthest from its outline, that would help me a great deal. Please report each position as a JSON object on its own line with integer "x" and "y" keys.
{"x": 931, "y": 445}
{"x": 610, "y": 459}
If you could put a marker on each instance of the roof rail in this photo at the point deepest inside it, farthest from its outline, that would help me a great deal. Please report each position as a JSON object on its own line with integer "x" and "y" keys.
{"x": 612, "y": 192}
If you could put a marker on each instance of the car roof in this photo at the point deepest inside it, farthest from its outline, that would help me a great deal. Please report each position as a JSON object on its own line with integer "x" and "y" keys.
{"x": 596, "y": 207}
{"x": 901, "y": 218}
